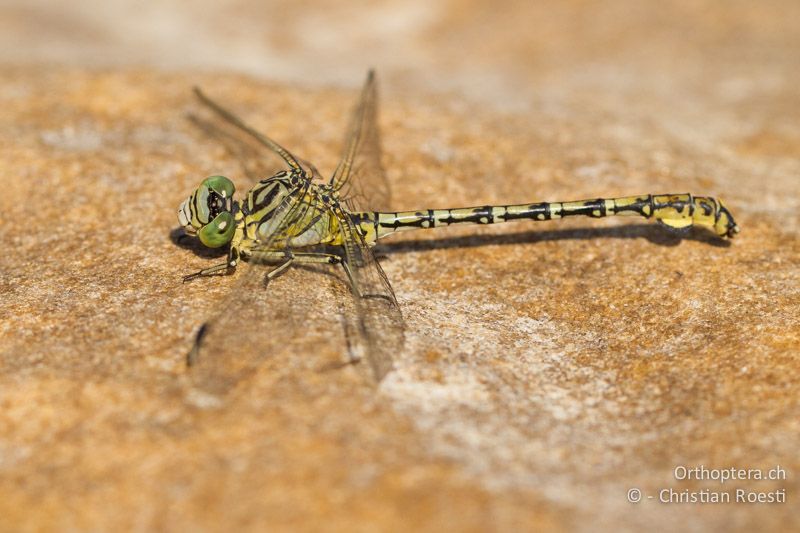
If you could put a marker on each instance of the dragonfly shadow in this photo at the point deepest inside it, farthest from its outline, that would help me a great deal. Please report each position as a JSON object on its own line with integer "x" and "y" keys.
{"x": 179, "y": 238}
{"x": 654, "y": 234}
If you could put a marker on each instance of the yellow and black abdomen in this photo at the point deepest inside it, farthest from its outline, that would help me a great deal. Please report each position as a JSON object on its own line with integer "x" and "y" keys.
{"x": 677, "y": 211}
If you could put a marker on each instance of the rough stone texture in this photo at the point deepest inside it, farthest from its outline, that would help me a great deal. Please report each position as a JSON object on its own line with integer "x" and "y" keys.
{"x": 548, "y": 368}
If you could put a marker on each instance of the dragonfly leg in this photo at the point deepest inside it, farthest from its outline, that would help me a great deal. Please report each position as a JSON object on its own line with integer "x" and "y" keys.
{"x": 283, "y": 266}
{"x": 299, "y": 257}
{"x": 222, "y": 268}
{"x": 349, "y": 272}
{"x": 287, "y": 257}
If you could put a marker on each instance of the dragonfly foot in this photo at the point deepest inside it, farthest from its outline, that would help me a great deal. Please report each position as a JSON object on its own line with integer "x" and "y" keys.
{"x": 190, "y": 277}
{"x": 223, "y": 268}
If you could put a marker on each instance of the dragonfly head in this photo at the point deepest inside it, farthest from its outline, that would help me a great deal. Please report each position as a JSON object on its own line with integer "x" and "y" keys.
{"x": 208, "y": 212}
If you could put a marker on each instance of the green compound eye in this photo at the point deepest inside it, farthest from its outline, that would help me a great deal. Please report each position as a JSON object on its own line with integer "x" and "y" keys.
{"x": 219, "y": 231}
{"x": 220, "y": 185}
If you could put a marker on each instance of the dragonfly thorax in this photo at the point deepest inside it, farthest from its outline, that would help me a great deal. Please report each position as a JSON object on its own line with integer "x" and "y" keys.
{"x": 289, "y": 210}
{"x": 209, "y": 212}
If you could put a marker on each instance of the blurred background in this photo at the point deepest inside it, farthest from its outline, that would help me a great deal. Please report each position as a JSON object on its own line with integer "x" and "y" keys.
{"x": 501, "y": 53}
{"x": 646, "y": 80}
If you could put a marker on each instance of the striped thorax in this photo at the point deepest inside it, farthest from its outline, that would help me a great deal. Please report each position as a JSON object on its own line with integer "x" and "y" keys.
{"x": 212, "y": 214}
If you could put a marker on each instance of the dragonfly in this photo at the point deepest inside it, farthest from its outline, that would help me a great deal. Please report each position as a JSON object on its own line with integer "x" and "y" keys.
{"x": 294, "y": 218}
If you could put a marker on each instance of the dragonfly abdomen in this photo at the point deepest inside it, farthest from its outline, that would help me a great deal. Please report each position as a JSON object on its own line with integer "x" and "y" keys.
{"x": 677, "y": 211}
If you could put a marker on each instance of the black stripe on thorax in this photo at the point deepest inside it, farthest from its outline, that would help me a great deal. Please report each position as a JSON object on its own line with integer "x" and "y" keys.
{"x": 267, "y": 193}
{"x": 294, "y": 195}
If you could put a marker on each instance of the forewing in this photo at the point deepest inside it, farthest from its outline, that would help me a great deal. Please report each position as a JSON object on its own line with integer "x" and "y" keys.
{"x": 361, "y": 183}
{"x": 253, "y": 325}
{"x": 378, "y": 321}
{"x": 249, "y": 325}
{"x": 360, "y": 178}
{"x": 253, "y": 149}
{"x": 256, "y": 161}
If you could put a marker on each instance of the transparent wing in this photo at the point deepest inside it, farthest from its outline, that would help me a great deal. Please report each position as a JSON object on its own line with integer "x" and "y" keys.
{"x": 255, "y": 161}
{"x": 254, "y": 326}
{"x": 238, "y": 124}
{"x": 249, "y": 326}
{"x": 254, "y": 150}
{"x": 360, "y": 178}
{"x": 362, "y": 184}
{"x": 378, "y": 320}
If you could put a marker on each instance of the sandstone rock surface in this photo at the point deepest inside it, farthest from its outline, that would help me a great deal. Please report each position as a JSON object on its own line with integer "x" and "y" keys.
{"x": 548, "y": 368}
